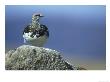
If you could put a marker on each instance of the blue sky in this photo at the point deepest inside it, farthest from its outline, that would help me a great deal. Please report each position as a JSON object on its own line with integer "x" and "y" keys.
{"x": 78, "y": 32}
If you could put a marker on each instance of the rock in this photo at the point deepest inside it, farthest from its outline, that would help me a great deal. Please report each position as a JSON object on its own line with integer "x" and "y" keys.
{"x": 28, "y": 57}
{"x": 81, "y": 68}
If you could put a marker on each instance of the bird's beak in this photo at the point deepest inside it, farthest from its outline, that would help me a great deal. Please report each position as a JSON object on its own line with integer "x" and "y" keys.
{"x": 41, "y": 15}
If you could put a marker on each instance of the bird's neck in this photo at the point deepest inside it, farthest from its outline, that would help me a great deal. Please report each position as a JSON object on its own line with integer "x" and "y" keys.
{"x": 35, "y": 23}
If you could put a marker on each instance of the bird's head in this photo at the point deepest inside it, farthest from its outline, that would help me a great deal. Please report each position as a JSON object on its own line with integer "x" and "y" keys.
{"x": 37, "y": 16}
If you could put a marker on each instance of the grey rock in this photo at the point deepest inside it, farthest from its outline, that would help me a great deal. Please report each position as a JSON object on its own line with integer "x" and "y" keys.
{"x": 28, "y": 57}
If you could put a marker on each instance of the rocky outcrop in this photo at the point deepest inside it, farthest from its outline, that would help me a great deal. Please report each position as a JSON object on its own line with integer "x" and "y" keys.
{"x": 28, "y": 57}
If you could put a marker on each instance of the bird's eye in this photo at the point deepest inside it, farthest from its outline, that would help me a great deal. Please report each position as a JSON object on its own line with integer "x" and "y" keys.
{"x": 37, "y": 15}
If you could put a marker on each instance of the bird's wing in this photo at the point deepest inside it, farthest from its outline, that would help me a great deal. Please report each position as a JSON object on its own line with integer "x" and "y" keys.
{"x": 27, "y": 29}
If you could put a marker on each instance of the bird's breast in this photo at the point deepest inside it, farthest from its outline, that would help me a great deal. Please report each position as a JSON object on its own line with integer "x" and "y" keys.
{"x": 36, "y": 41}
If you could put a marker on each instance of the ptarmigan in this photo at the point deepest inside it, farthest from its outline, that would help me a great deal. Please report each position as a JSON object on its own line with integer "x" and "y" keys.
{"x": 35, "y": 33}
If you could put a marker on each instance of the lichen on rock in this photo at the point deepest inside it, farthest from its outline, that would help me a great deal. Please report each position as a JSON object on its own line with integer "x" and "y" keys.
{"x": 28, "y": 57}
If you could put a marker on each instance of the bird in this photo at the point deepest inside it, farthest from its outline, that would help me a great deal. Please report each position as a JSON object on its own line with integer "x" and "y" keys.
{"x": 36, "y": 34}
